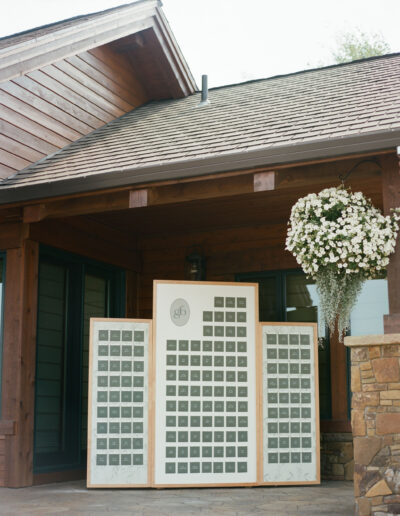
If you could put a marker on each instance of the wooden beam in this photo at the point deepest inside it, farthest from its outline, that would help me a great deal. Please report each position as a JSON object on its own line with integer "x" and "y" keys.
{"x": 391, "y": 199}
{"x": 338, "y": 358}
{"x": 212, "y": 187}
{"x": 34, "y": 213}
{"x": 83, "y": 205}
{"x": 19, "y": 354}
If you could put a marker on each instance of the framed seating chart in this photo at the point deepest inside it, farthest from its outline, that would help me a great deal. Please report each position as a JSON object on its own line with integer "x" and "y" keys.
{"x": 290, "y": 409}
{"x": 118, "y": 426}
{"x": 203, "y": 395}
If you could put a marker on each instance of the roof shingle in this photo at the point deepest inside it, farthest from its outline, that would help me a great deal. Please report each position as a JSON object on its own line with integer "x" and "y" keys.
{"x": 335, "y": 102}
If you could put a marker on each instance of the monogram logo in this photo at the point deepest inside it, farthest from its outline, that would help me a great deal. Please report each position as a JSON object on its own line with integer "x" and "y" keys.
{"x": 179, "y": 312}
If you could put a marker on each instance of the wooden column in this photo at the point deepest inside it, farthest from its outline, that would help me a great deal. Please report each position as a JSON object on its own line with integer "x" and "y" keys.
{"x": 19, "y": 352}
{"x": 391, "y": 199}
{"x": 339, "y": 405}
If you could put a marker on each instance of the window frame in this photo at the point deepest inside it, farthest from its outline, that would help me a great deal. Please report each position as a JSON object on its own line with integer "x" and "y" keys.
{"x": 281, "y": 275}
{"x": 3, "y": 256}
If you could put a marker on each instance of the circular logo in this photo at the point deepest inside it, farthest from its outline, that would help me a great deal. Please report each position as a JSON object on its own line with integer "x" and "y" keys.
{"x": 180, "y": 312}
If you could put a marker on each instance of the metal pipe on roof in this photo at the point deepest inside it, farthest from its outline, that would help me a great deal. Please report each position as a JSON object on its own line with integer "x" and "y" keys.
{"x": 204, "y": 92}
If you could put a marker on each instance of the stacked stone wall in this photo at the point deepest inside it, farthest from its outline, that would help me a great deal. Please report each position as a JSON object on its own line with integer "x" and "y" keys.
{"x": 375, "y": 385}
{"x": 337, "y": 456}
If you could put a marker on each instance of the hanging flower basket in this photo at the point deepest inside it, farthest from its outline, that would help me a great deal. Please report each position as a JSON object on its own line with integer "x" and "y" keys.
{"x": 340, "y": 240}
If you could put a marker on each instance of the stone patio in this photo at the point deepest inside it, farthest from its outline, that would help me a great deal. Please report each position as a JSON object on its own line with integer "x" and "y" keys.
{"x": 74, "y": 498}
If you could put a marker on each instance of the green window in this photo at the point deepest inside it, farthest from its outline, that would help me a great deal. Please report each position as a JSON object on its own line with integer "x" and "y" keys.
{"x": 290, "y": 296}
{"x": 71, "y": 290}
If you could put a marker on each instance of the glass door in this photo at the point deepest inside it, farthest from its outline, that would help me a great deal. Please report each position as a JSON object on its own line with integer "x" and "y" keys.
{"x": 70, "y": 292}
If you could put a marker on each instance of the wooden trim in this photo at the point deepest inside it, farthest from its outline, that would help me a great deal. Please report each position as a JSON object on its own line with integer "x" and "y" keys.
{"x": 259, "y": 394}
{"x": 86, "y": 34}
{"x": 152, "y": 407}
{"x": 19, "y": 353}
{"x": 7, "y": 427}
{"x": 40, "y": 55}
{"x": 316, "y": 390}
{"x": 90, "y": 403}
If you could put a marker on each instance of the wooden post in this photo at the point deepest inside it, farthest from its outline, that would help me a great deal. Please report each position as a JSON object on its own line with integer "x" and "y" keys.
{"x": 19, "y": 353}
{"x": 391, "y": 199}
{"x": 338, "y": 357}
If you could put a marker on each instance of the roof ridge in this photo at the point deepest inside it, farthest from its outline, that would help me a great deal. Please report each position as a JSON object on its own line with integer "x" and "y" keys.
{"x": 308, "y": 70}
{"x": 73, "y": 18}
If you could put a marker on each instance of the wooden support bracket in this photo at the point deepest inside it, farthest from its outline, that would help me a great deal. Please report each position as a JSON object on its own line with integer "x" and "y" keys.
{"x": 264, "y": 181}
{"x": 138, "y": 198}
{"x": 34, "y": 213}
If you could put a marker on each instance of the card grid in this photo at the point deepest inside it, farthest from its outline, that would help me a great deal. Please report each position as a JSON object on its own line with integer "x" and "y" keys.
{"x": 207, "y": 395}
{"x": 288, "y": 403}
{"x": 119, "y": 403}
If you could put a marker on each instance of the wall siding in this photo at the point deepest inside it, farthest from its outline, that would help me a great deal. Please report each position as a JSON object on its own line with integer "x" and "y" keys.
{"x": 229, "y": 251}
{"x": 47, "y": 109}
{"x": 2, "y": 460}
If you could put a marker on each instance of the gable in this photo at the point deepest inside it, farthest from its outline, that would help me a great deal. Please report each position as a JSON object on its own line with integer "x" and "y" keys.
{"x": 61, "y": 82}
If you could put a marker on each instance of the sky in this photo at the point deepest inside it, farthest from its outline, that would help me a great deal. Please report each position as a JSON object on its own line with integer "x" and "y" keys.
{"x": 237, "y": 40}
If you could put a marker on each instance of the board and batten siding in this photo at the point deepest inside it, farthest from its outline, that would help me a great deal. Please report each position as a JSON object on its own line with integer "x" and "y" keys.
{"x": 46, "y": 109}
{"x": 229, "y": 251}
{"x": 2, "y": 460}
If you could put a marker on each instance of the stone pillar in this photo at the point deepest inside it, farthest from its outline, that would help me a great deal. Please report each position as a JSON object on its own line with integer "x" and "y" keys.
{"x": 375, "y": 418}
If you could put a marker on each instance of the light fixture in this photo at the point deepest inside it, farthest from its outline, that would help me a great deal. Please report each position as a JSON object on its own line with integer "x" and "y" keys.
{"x": 195, "y": 269}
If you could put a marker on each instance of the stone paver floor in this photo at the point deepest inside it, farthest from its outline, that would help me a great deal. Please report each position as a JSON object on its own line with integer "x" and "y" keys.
{"x": 73, "y": 498}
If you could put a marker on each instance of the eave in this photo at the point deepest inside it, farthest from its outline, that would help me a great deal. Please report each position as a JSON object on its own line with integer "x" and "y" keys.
{"x": 40, "y": 50}
{"x": 324, "y": 149}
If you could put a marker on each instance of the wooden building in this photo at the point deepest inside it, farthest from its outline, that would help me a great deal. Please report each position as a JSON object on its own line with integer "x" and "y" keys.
{"x": 113, "y": 175}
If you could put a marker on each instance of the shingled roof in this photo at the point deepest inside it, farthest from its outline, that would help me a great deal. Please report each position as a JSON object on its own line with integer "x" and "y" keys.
{"x": 318, "y": 113}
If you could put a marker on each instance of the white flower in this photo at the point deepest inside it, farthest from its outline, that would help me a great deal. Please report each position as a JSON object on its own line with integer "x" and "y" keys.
{"x": 336, "y": 228}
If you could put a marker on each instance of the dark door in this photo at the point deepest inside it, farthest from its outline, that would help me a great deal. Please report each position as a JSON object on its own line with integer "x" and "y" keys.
{"x": 70, "y": 292}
